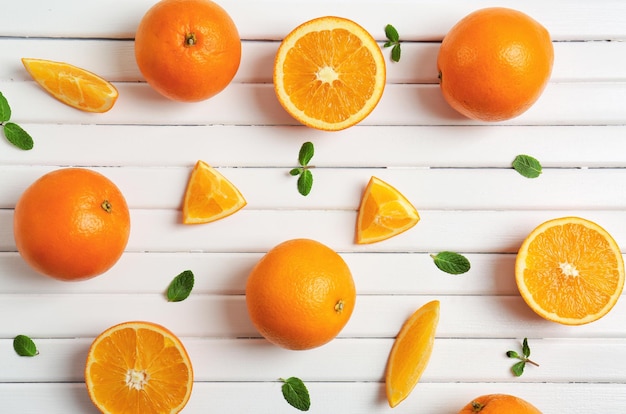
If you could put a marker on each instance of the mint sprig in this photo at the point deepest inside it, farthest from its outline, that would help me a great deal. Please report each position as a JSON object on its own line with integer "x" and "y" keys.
{"x": 180, "y": 287}
{"x": 393, "y": 42}
{"x": 451, "y": 262}
{"x": 518, "y": 368}
{"x": 296, "y": 393}
{"x": 24, "y": 346}
{"x": 14, "y": 133}
{"x": 305, "y": 176}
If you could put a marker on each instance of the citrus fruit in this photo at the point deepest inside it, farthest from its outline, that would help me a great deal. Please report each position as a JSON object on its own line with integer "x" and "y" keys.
{"x": 209, "y": 196}
{"x": 72, "y": 85}
{"x": 383, "y": 213}
{"x": 411, "y": 352}
{"x": 494, "y": 64}
{"x": 499, "y": 404}
{"x": 300, "y": 294}
{"x": 138, "y": 367}
{"x": 329, "y": 73}
{"x": 570, "y": 270}
{"x": 71, "y": 224}
{"x": 187, "y": 50}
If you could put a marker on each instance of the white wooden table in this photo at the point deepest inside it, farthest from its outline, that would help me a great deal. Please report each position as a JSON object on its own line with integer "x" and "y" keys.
{"x": 457, "y": 173}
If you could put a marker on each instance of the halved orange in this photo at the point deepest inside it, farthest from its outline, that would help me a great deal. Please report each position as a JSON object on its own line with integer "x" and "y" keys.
{"x": 411, "y": 352}
{"x": 570, "y": 270}
{"x": 210, "y": 196}
{"x": 383, "y": 213}
{"x": 329, "y": 73}
{"x": 72, "y": 85}
{"x": 138, "y": 367}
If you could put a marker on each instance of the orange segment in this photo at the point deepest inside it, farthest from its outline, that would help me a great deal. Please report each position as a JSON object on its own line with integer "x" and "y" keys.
{"x": 210, "y": 196}
{"x": 71, "y": 85}
{"x": 384, "y": 212}
{"x": 411, "y": 352}
{"x": 138, "y": 367}
{"x": 570, "y": 270}
{"x": 329, "y": 73}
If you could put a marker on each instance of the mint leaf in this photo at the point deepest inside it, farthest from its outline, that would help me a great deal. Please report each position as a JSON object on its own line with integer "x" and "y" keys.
{"x": 296, "y": 171}
{"x": 306, "y": 153}
{"x": 305, "y": 182}
{"x": 24, "y": 346}
{"x": 525, "y": 348}
{"x": 451, "y": 262}
{"x": 396, "y": 53}
{"x": 5, "y": 109}
{"x": 296, "y": 393}
{"x": 527, "y": 166}
{"x": 392, "y": 33}
{"x": 180, "y": 287}
{"x": 16, "y": 135}
{"x": 394, "y": 42}
{"x": 518, "y": 368}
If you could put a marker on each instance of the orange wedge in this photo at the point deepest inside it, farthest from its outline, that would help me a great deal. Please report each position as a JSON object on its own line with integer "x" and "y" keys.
{"x": 411, "y": 352}
{"x": 138, "y": 367}
{"x": 209, "y": 196}
{"x": 570, "y": 270}
{"x": 383, "y": 213}
{"x": 329, "y": 73}
{"x": 71, "y": 85}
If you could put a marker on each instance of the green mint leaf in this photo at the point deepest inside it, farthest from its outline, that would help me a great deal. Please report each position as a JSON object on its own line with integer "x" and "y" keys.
{"x": 518, "y": 369}
{"x": 392, "y": 33}
{"x": 451, "y": 262}
{"x": 525, "y": 348}
{"x": 24, "y": 346}
{"x": 305, "y": 182}
{"x": 296, "y": 393}
{"x": 5, "y": 109}
{"x": 512, "y": 354}
{"x": 388, "y": 43}
{"x": 16, "y": 135}
{"x": 527, "y": 166}
{"x": 306, "y": 153}
{"x": 396, "y": 53}
{"x": 296, "y": 171}
{"x": 180, "y": 287}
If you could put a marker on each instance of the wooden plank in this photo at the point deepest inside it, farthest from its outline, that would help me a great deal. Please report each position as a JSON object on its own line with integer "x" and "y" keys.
{"x": 415, "y": 20}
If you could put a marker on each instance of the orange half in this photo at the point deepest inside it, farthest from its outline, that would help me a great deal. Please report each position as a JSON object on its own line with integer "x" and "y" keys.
{"x": 570, "y": 270}
{"x": 210, "y": 196}
{"x": 411, "y": 352}
{"x": 329, "y": 73}
{"x": 72, "y": 85}
{"x": 138, "y": 367}
{"x": 383, "y": 213}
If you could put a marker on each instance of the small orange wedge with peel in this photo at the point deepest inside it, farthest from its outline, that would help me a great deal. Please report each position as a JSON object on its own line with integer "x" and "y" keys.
{"x": 411, "y": 352}
{"x": 138, "y": 367}
{"x": 210, "y": 196}
{"x": 383, "y": 213}
{"x": 72, "y": 85}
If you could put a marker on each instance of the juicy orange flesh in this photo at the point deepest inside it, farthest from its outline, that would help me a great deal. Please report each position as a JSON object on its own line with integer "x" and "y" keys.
{"x": 73, "y": 86}
{"x": 411, "y": 352}
{"x": 572, "y": 271}
{"x": 210, "y": 196}
{"x": 333, "y": 70}
{"x": 384, "y": 212}
{"x": 138, "y": 370}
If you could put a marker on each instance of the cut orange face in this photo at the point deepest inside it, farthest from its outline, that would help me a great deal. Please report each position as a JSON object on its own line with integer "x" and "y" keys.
{"x": 411, "y": 352}
{"x": 383, "y": 213}
{"x": 72, "y": 85}
{"x": 210, "y": 196}
{"x": 570, "y": 270}
{"x": 329, "y": 73}
{"x": 138, "y": 367}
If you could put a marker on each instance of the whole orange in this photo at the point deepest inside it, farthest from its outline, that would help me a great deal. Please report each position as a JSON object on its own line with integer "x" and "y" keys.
{"x": 300, "y": 294}
{"x": 187, "y": 50}
{"x": 494, "y": 64}
{"x": 71, "y": 224}
{"x": 499, "y": 404}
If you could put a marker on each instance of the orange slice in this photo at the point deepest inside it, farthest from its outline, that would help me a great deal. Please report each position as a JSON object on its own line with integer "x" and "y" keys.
{"x": 329, "y": 73}
{"x": 71, "y": 85}
{"x": 209, "y": 196}
{"x": 384, "y": 212}
{"x": 411, "y": 352}
{"x": 570, "y": 270}
{"x": 138, "y": 367}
